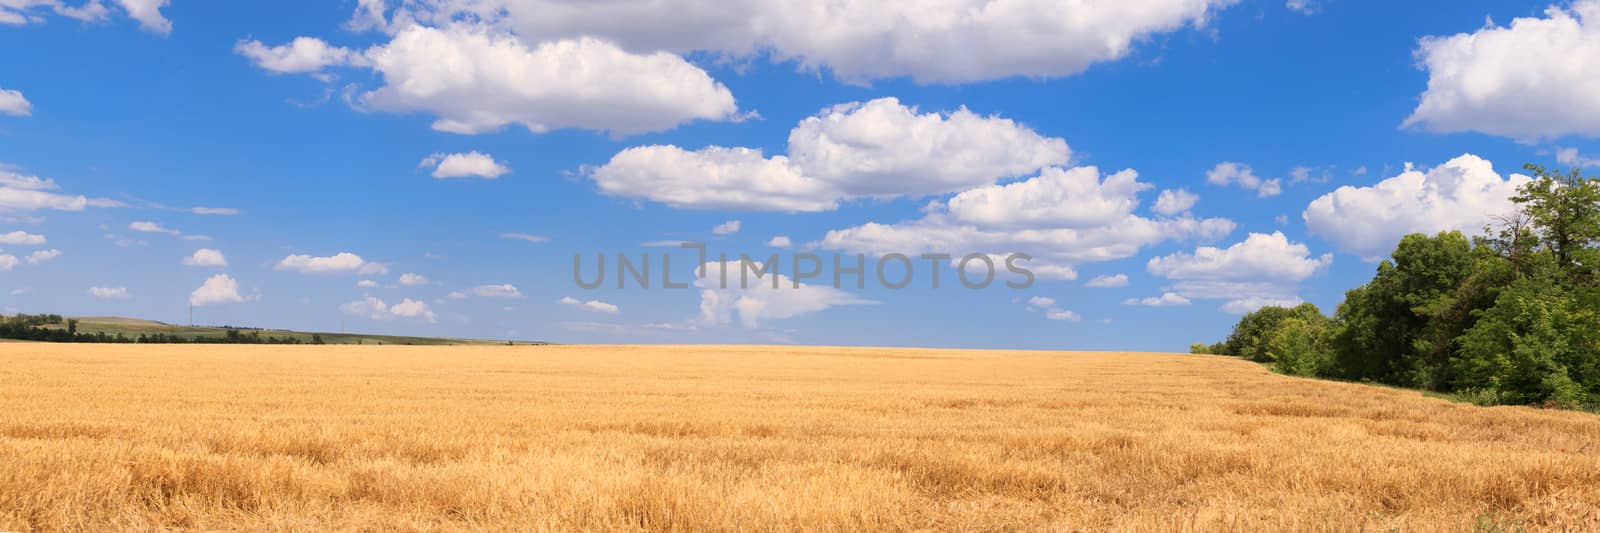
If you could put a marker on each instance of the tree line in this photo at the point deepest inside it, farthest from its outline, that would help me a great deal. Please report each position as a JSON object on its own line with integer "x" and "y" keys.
{"x": 1511, "y": 316}
{"x": 32, "y": 328}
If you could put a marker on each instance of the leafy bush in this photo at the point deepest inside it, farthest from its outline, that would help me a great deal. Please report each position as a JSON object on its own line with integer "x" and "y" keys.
{"x": 1512, "y": 316}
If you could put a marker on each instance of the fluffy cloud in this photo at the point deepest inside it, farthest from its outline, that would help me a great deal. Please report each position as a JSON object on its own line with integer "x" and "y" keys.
{"x": 21, "y": 238}
{"x": 214, "y": 210}
{"x": 41, "y": 256}
{"x": 593, "y": 306}
{"x": 8, "y": 262}
{"x": 1230, "y": 173}
{"x": 377, "y": 309}
{"x": 411, "y": 280}
{"x": 954, "y": 41}
{"x": 470, "y": 164}
{"x": 206, "y": 257}
{"x": 218, "y": 289}
{"x": 1172, "y": 202}
{"x": 1259, "y": 256}
{"x": 884, "y": 148}
{"x": 1263, "y": 266}
{"x": 879, "y": 148}
{"x": 524, "y": 237}
{"x": 367, "y": 284}
{"x": 343, "y": 262}
{"x": 760, "y": 302}
{"x": 1057, "y": 198}
{"x": 302, "y": 55}
{"x": 146, "y": 12}
{"x": 1165, "y": 300}
{"x": 151, "y": 227}
{"x": 476, "y": 82}
{"x": 727, "y": 228}
{"x": 20, "y": 192}
{"x": 712, "y": 178}
{"x": 1463, "y": 194}
{"x": 12, "y": 103}
{"x": 1108, "y": 282}
{"x": 1003, "y": 219}
{"x": 109, "y": 293}
{"x": 1527, "y": 81}
{"x": 506, "y": 291}
{"x": 780, "y": 241}
{"x": 1047, "y": 305}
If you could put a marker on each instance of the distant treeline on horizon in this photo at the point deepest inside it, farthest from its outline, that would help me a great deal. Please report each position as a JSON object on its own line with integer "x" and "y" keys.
{"x": 32, "y": 328}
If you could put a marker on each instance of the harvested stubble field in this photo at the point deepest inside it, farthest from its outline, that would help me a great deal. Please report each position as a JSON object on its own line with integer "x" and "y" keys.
{"x": 103, "y": 437}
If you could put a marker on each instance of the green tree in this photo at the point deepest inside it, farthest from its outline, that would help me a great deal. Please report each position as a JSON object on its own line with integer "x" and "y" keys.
{"x": 1386, "y": 322}
{"x": 1538, "y": 343}
{"x": 1250, "y": 335}
{"x": 1300, "y": 347}
{"x": 1565, "y": 210}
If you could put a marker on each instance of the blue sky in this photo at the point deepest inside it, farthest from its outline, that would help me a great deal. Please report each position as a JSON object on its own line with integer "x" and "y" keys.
{"x": 1290, "y": 126}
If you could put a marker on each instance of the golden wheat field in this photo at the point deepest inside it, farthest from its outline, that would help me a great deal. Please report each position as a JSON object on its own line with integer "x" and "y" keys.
{"x": 702, "y": 438}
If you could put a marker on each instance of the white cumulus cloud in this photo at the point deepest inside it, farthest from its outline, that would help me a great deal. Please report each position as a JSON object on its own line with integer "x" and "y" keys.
{"x": 22, "y": 238}
{"x": 1165, "y": 300}
{"x": 1531, "y": 80}
{"x": 1029, "y": 217}
{"x": 206, "y": 257}
{"x": 727, "y": 228}
{"x": 1263, "y": 266}
{"x": 146, "y": 226}
{"x": 41, "y": 256}
{"x": 343, "y": 262}
{"x": 146, "y": 12}
{"x": 593, "y": 306}
{"x": 1231, "y": 173}
{"x": 1108, "y": 282}
{"x": 952, "y": 41}
{"x": 377, "y": 309}
{"x": 13, "y": 103}
{"x": 1172, "y": 202}
{"x": 301, "y": 55}
{"x": 505, "y": 291}
{"x": 218, "y": 289}
{"x": 476, "y": 81}
{"x": 1463, "y": 194}
{"x": 470, "y": 164}
{"x": 879, "y": 148}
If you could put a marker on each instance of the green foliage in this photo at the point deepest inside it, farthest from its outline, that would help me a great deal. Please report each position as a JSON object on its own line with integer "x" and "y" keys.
{"x": 1512, "y": 316}
{"x": 1201, "y": 348}
{"x": 1254, "y": 329}
{"x": 1385, "y": 337}
{"x": 1300, "y": 346}
{"x": 1565, "y": 210}
{"x": 1537, "y": 344}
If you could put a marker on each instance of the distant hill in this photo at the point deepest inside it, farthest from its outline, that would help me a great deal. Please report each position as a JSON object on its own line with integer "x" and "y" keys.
{"x": 134, "y": 327}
